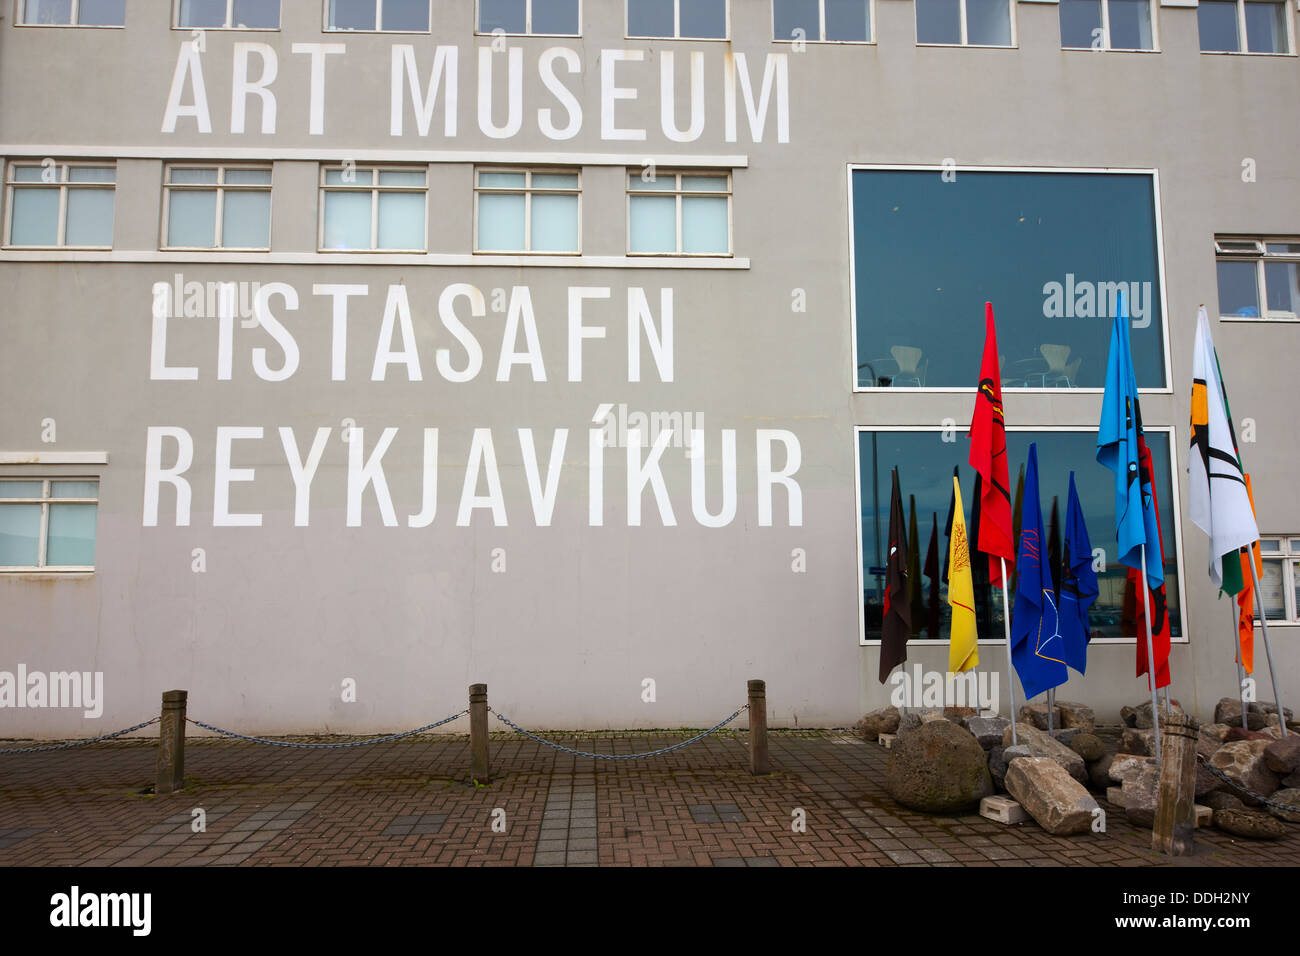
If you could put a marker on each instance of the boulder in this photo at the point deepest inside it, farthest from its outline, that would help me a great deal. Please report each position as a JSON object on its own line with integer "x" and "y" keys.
{"x": 1057, "y": 802}
{"x": 1242, "y": 762}
{"x": 1238, "y": 733}
{"x": 938, "y": 768}
{"x": 1142, "y": 713}
{"x": 1140, "y": 742}
{"x": 1215, "y": 732}
{"x": 1254, "y": 824}
{"x": 1042, "y": 744}
{"x": 1128, "y": 716}
{"x": 987, "y": 730}
{"x": 998, "y": 767}
{"x": 882, "y": 721}
{"x": 1228, "y": 711}
{"x": 1099, "y": 772}
{"x": 1067, "y": 735}
{"x": 1078, "y": 715}
{"x": 1088, "y": 746}
{"x": 1140, "y": 792}
{"x": 1126, "y": 766}
{"x": 1289, "y": 798}
{"x": 912, "y": 718}
{"x": 1222, "y": 800}
{"x": 1291, "y": 780}
{"x": 958, "y": 715}
{"x": 1036, "y": 715}
{"x": 1268, "y": 707}
{"x": 1206, "y": 782}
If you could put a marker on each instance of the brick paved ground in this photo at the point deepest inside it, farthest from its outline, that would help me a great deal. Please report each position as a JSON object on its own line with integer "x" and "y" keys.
{"x": 407, "y": 802}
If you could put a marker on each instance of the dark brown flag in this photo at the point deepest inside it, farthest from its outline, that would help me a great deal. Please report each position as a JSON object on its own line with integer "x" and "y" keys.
{"x": 896, "y": 626}
{"x": 932, "y": 572}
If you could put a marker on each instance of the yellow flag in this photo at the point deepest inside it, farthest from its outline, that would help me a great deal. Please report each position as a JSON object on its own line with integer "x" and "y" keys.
{"x": 963, "y": 646}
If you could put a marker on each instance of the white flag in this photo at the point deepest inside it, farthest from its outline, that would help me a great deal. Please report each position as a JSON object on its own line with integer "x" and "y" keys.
{"x": 1219, "y": 504}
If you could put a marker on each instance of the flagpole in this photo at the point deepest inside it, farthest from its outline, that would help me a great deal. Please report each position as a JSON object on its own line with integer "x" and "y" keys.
{"x": 1051, "y": 706}
{"x": 1011, "y": 670}
{"x": 1151, "y": 656}
{"x": 1268, "y": 651}
{"x": 1241, "y": 673}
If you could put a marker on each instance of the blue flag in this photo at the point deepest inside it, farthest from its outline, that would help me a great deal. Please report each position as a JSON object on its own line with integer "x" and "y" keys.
{"x": 1037, "y": 647}
{"x": 1078, "y": 584}
{"x": 1118, "y": 435}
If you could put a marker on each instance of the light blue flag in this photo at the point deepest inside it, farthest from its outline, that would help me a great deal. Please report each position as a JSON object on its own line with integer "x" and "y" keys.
{"x": 1037, "y": 646}
{"x": 1078, "y": 584}
{"x": 1118, "y": 435}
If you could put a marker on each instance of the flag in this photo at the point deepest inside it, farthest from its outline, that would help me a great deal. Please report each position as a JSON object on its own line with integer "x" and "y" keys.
{"x": 1037, "y": 648}
{"x": 1158, "y": 598}
{"x": 1218, "y": 502}
{"x": 1246, "y": 596}
{"x": 1054, "y": 547}
{"x": 914, "y": 568}
{"x": 896, "y": 622}
{"x": 979, "y": 570}
{"x": 963, "y": 643}
{"x": 1078, "y": 584}
{"x": 947, "y": 528}
{"x": 988, "y": 456}
{"x": 1117, "y": 449}
{"x": 932, "y": 572}
{"x": 1016, "y": 508}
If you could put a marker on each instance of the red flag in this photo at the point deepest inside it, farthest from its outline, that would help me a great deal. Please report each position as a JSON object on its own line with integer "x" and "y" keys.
{"x": 1246, "y": 597}
{"x": 988, "y": 456}
{"x": 1158, "y": 597}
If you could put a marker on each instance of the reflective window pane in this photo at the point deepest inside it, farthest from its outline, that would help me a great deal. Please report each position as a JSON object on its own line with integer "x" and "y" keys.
{"x": 248, "y": 177}
{"x": 346, "y": 177}
{"x": 555, "y": 223}
{"x": 102, "y": 13}
{"x": 347, "y": 220}
{"x": 401, "y": 220}
{"x": 391, "y": 177}
{"x": 91, "y": 174}
{"x": 502, "y": 180}
{"x": 660, "y": 183}
{"x": 1282, "y": 286}
{"x": 90, "y": 217}
{"x": 791, "y": 15}
{"x": 71, "y": 540}
{"x": 938, "y": 21}
{"x": 49, "y": 12}
{"x": 246, "y": 220}
{"x": 35, "y": 216}
{"x": 1271, "y": 594}
{"x": 704, "y": 225}
{"x": 508, "y": 15}
{"x": 353, "y": 15}
{"x": 988, "y": 22}
{"x": 257, "y": 14}
{"x": 848, "y": 20}
{"x": 652, "y": 224}
{"x": 703, "y": 18}
{"x": 1216, "y": 21}
{"x": 28, "y": 174}
{"x": 202, "y": 13}
{"x": 1130, "y": 25}
{"x": 1283, "y": 248}
{"x": 500, "y": 222}
{"x": 1266, "y": 27}
{"x": 21, "y": 489}
{"x": 20, "y": 535}
{"x": 1079, "y": 20}
{"x": 555, "y": 180}
{"x": 705, "y": 183}
{"x": 650, "y": 18}
{"x": 558, "y": 17}
{"x": 192, "y": 218}
{"x": 1238, "y": 288}
{"x": 72, "y": 489}
{"x": 408, "y": 15}
{"x": 189, "y": 177}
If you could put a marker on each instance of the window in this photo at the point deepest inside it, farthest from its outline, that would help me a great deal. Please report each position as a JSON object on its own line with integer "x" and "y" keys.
{"x": 387, "y": 16}
{"x": 529, "y": 17}
{"x": 60, "y": 204}
{"x": 925, "y": 462}
{"x": 1107, "y": 25}
{"x": 1264, "y": 24}
{"x": 228, "y": 14}
{"x": 373, "y": 207}
{"x": 964, "y": 22}
{"x": 525, "y": 211}
{"x": 48, "y": 523}
{"x": 1279, "y": 588}
{"x": 72, "y": 13}
{"x": 679, "y": 214}
{"x": 1251, "y": 271}
{"x": 1021, "y": 240}
{"x": 217, "y": 207}
{"x": 831, "y": 21}
{"x": 679, "y": 19}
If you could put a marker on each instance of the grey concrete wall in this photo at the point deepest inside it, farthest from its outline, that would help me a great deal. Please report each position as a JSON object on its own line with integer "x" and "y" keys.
{"x": 582, "y": 614}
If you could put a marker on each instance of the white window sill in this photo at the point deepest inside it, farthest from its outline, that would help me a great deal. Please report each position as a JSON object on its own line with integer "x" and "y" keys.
{"x": 387, "y": 259}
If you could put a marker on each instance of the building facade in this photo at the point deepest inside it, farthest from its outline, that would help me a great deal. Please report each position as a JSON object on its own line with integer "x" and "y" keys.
{"x": 357, "y": 351}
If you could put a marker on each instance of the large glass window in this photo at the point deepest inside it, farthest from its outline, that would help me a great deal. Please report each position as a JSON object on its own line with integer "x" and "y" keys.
{"x": 964, "y": 22}
{"x": 1107, "y": 24}
{"x": 925, "y": 463}
{"x": 373, "y": 208}
{"x": 1050, "y": 250}
{"x": 1279, "y": 588}
{"x": 831, "y": 21}
{"x": 228, "y": 14}
{"x": 1263, "y": 23}
{"x": 218, "y": 207}
{"x": 679, "y": 213}
{"x": 529, "y": 17}
{"x": 55, "y": 204}
{"x": 72, "y": 13}
{"x": 521, "y": 210}
{"x": 682, "y": 19}
{"x": 1252, "y": 271}
{"x": 388, "y": 16}
{"x": 48, "y": 523}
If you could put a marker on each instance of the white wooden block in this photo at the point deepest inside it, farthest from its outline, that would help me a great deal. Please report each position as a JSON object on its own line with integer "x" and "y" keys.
{"x": 1001, "y": 809}
{"x": 887, "y": 740}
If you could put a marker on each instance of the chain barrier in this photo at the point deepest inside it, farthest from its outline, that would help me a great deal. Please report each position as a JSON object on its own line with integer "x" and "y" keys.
{"x": 78, "y": 743}
{"x": 649, "y": 753}
{"x": 304, "y": 746}
{"x": 1215, "y": 771}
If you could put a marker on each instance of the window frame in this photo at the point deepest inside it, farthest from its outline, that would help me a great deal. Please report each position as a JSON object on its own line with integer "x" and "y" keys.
{"x": 1244, "y": 41}
{"x": 375, "y": 190}
{"x": 678, "y": 193}
{"x": 1287, "y": 555}
{"x": 528, "y": 23}
{"x": 527, "y": 191}
{"x": 677, "y": 25}
{"x": 1261, "y": 257}
{"x": 219, "y": 187}
{"x": 64, "y": 165}
{"x": 1011, "y": 15}
{"x": 1177, "y": 530}
{"x": 45, "y": 501}
{"x": 230, "y": 16}
{"x": 379, "y": 21}
{"x": 1105, "y": 27}
{"x": 20, "y": 19}
{"x": 821, "y": 16}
